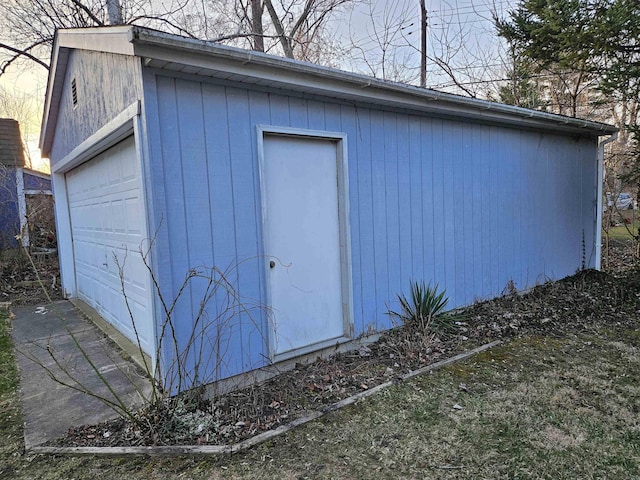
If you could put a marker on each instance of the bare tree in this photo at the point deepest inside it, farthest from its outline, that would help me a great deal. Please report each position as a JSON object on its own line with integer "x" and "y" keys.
{"x": 28, "y": 26}
{"x": 295, "y": 28}
{"x": 462, "y": 55}
{"x": 385, "y": 48}
{"x": 299, "y": 23}
{"x": 292, "y": 28}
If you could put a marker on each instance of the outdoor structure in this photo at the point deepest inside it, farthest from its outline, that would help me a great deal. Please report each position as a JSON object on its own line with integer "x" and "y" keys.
{"x": 320, "y": 192}
{"x": 25, "y": 194}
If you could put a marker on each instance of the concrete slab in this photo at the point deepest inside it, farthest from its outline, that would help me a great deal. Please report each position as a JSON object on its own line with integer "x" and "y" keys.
{"x": 57, "y": 340}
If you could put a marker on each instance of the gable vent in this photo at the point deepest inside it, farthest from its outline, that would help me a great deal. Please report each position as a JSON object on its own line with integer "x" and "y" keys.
{"x": 74, "y": 93}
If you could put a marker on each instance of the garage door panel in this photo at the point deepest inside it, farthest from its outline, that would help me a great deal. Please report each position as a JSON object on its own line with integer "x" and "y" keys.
{"x": 106, "y": 216}
{"x": 113, "y": 175}
{"x": 133, "y": 217}
{"x": 128, "y": 172}
{"x": 119, "y": 214}
{"x": 107, "y": 221}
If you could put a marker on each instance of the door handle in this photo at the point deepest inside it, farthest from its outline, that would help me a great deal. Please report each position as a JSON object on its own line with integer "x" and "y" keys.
{"x": 272, "y": 264}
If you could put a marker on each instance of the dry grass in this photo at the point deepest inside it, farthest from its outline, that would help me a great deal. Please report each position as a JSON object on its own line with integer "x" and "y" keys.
{"x": 538, "y": 407}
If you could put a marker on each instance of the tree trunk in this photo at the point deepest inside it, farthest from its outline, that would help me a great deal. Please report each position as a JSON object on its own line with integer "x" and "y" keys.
{"x": 256, "y": 25}
{"x": 282, "y": 36}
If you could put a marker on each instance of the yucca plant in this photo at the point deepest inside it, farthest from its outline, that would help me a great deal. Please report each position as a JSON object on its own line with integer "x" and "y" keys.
{"x": 425, "y": 304}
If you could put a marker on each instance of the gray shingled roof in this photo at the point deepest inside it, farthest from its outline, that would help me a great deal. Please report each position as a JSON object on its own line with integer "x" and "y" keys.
{"x": 11, "y": 152}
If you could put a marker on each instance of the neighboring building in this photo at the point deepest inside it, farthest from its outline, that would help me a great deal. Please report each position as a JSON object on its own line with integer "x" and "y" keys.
{"x": 24, "y": 193}
{"x": 325, "y": 191}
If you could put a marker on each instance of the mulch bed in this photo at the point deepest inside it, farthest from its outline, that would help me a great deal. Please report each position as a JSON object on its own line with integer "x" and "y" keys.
{"x": 20, "y": 283}
{"x": 619, "y": 256}
{"x": 587, "y": 301}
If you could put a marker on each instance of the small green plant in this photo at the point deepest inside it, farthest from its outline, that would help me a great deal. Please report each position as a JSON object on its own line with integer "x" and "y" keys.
{"x": 420, "y": 311}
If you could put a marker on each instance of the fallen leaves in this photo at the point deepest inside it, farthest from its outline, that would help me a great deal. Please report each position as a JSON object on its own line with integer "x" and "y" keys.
{"x": 588, "y": 300}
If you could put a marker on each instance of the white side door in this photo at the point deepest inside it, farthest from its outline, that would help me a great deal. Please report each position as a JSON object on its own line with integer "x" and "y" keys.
{"x": 305, "y": 276}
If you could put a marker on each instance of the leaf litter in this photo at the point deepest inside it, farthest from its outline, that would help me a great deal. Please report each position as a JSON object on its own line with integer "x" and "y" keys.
{"x": 585, "y": 302}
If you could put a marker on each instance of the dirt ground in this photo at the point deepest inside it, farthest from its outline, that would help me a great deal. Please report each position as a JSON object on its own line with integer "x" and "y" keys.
{"x": 559, "y": 399}
{"x": 575, "y": 303}
{"x": 585, "y": 302}
{"x": 28, "y": 280}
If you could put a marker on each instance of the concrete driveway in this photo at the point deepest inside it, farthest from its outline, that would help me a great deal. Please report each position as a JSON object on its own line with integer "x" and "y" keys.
{"x": 47, "y": 337}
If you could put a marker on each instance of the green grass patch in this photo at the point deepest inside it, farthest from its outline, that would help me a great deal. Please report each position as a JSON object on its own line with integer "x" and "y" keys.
{"x": 624, "y": 232}
{"x": 8, "y": 371}
{"x": 10, "y": 418}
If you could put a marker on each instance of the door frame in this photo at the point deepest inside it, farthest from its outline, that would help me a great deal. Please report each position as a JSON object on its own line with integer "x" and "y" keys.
{"x": 344, "y": 234}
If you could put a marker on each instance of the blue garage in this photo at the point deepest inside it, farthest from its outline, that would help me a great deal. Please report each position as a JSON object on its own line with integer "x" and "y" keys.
{"x": 316, "y": 194}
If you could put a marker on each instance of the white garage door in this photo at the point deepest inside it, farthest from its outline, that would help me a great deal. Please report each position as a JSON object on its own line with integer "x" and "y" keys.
{"x": 108, "y": 222}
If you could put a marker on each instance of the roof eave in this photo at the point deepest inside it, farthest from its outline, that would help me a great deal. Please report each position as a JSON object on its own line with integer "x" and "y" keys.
{"x": 257, "y": 67}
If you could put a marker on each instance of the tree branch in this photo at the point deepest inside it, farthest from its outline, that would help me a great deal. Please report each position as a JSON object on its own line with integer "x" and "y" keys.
{"x": 86, "y": 10}
{"x": 22, "y": 53}
{"x": 284, "y": 41}
{"x": 240, "y": 35}
{"x": 303, "y": 17}
{"x": 163, "y": 20}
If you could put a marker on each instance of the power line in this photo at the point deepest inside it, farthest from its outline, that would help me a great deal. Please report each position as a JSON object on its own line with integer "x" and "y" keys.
{"x": 472, "y": 8}
{"x": 478, "y": 82}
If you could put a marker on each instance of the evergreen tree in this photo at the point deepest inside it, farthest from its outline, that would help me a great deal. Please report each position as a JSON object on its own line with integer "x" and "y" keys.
{"x": 597, "y": 39}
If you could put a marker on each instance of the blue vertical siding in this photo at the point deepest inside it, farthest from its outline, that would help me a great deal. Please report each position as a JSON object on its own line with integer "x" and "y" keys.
{"x": 364, "y": 245}
{"x": 469, "y": 206}
{"x": 244, "y": 203}
{"x": 404, "y": 226}
{"x": 458, "y": 199}
{"x": 379, "y": 205}
{"x": 496, "y": 206}
{"x": 434, "y": 156}
{"x": 391, "y": 190}
{"x": 450, "y": 157}
{"x": 173, "y": 209}
{"x": 419, "y": 186}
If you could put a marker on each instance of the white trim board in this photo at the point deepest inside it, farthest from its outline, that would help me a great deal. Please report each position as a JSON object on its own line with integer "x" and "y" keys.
{"x": 38, "y": 192}
{"x": 22, "y": 208}
{"x": 115, "y": 130}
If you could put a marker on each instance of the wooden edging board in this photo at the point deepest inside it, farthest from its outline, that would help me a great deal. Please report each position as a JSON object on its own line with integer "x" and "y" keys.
{"x": 263, "y": 437}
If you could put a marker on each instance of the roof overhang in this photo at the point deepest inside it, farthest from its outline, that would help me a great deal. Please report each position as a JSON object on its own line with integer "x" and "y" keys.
{"x": 197, "y": 57}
